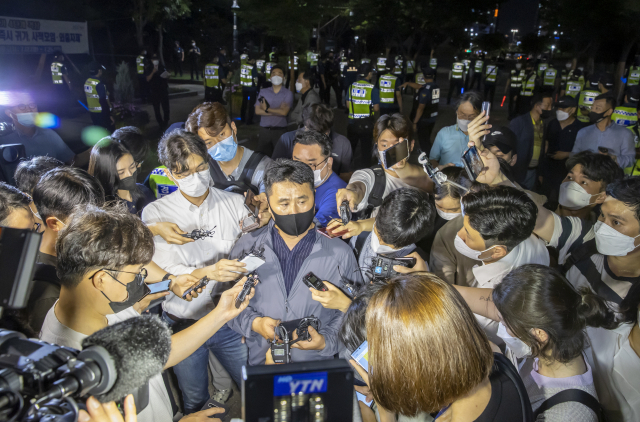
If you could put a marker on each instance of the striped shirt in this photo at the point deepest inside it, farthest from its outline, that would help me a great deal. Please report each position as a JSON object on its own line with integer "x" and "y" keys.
{"x": 291, "y": 260}
{"x": 569, "y": 234}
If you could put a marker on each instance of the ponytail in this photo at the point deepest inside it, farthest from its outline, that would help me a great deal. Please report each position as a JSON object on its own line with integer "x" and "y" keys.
{"x": 594, "y": 311}
{"x": 630, "y": 304}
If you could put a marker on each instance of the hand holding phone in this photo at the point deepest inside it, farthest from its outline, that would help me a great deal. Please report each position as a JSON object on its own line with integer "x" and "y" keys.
{"x": 394, "y": 154}
{"x": 361, "y": 356}
{"x": 161, "y": 286}
{"x": 486, "y": 107}
{"x": 472, "y": 162}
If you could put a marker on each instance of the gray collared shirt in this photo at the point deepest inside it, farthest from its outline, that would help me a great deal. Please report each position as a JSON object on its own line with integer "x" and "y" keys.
{"x": 617, "y": 139}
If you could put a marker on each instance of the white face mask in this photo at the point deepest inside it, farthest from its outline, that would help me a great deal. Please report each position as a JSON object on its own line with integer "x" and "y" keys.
{"x": 377, "y": 247}
{"x": 447, "y": 215}
{"x": 611, "y": 242}
{"x": 317, "y": 175}
{"x": 463, "y": 125}
{"x": 562, "y": 115}
{"x": 298, "y": 87}
{"x": 573, "y": 196}
{"x": 465, "y": 250}
{"x": 519, "y": 348}
{"x": 196, "y": 184}
{"x": 156, "y": 62}
{"x": 276, "y": 80}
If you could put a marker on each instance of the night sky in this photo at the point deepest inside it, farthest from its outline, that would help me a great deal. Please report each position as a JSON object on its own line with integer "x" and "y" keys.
{"x": 518, "y": 14}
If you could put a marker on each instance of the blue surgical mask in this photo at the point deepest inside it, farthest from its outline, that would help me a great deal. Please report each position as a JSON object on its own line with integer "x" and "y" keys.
{"x": 224, "y": 150}
{"x": 27, "y": 119}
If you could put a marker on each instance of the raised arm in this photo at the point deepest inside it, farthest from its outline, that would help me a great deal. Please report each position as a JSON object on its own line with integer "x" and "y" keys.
{"x": 479, "y": 300}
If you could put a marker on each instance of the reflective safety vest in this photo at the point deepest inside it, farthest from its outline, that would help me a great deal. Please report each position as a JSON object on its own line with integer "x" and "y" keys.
{"x": 260, "y": 65}
{"x": 491, "y": 73}
{"x": 625, "y": 116}
{"x": 312, "y": 58}
{"x": 566, "y": 75}
{"x": 573, "y": 88}
{"x": 365, "y": 60}
{"x": 411, "y": 65}
{"x": 433, "y": 63}
{"x": 467, "y": 64}
{"x": 140, "y": 64}
{"x": 272, "y": 56}
{"x": 550, "y": 77}
{"x": 517, "y": 77}
{"x": 381, "y": 64}
{"x": 528, "y": 85}
{"x": 635, "y": 169}
{"x": 634, "y": 76}
{"x": 295, "y": 62}
{"x": 457, "y": 71}
{"x": 479, "y": 66}
{"x": 585, "y": 101}
{"x": 244, "y": 58}
{"x": 397, "y": 70}
{"x": 420, "y": 78}
{"x": 160, "y": 184}
{"x": 387, "y": 89}
{"x": 56, "y": 72}
{"x": 211, "y": 77}
{"x": 359, "y": 101}
{"x": 542, "y": 67}
{"x": 245, "y": 75}
{"x": 93, "y": 99}
{"x": 343, "y": 63}
{"x": 267, "y": 69}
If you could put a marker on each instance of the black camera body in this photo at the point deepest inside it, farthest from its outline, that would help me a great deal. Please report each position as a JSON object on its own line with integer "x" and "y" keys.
{"x": 246, "y": 288}
{"x": 281, "y": 352}
{"x": 383, "y": 266}
{"x": 345, "y": 213}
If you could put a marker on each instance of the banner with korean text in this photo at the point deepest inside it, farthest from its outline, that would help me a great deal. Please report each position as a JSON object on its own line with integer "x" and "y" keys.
{"x": 38, "y": 36}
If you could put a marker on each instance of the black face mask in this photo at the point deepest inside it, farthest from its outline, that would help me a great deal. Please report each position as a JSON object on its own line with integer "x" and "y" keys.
{"x": 546, "y": 114}
{"x": 596, "y": 117}
{"x": 129, "y": 183}
{"x": 294, "y": 224}
{"x": 136, "y": 291}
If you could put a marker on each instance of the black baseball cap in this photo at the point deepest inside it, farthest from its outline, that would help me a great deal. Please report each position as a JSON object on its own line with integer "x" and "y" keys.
{"x": 633, "y": 93}
{"x": 364, "y": 69}
{"x": 428, "y": 71}
{"x": 593, "y": 81}
{"x": 566, "y": 101}
{"x": 503, "y": 138}
{"x": 607, "y": 80}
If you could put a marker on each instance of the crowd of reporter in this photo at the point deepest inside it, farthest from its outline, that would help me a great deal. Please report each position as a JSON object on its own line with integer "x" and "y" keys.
{"x": 508, "y": 304}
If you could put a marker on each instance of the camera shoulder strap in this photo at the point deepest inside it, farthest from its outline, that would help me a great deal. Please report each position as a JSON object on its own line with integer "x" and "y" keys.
{"x": 379, "y": 184}
{"x": 250, "y": 168}
{"x": 572, "y": 395}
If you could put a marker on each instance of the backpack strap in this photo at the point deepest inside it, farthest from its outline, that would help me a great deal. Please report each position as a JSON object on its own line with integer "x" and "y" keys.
{"x": 250, "y": 168}
{"x": 362, "y": 237}
{"x": 586, "y": 250}
{"x": 375, "y": 197}
{"x": 572, "y": 395}
{"x": 505, "y": 367}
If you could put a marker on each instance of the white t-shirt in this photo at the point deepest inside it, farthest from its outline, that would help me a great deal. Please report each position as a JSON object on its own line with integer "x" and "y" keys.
{"x": 53, "y": 331}
{"x": 367, "y": 177}
{"x": 540, "y": 388}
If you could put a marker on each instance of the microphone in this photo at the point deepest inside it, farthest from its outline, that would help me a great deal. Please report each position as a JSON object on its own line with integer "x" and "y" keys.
{"x": 116, "y": 360}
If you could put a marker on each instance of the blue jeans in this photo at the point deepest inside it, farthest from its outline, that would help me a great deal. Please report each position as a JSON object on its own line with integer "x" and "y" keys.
{"x": 192, "y": 373}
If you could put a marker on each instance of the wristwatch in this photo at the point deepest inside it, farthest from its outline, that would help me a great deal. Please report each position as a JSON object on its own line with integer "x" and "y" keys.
{"x": 166, "y": 277}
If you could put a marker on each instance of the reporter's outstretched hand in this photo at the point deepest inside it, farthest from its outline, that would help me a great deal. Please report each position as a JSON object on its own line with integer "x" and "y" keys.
{"x": 227, "y": 304}
{"x": 182, "y": 283}
{"x": 421, "y": 265}
{"x": 206, "y": 415}
{"x": 315, "y": 342}
{"x": 170, "y": 232}
{"x": 143, "y": 304}
{"x": 334, "y": 298}
{"x": 108, "y": 412}
{"x": 353, "y": 228}
{"x": 478, "y": 129}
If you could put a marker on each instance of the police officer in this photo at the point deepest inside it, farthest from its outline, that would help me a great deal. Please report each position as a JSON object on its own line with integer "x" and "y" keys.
{"x": 389, "y": 86}
{"x": 425, "y": 108}
{"x": 158, "y": 79}
{"x": 456, "y": 79}
{"x": 542, "y": 66}
{"x": 272, "y": 57}
{"x": 381, "y": 63}
{"x": 409, "y": 71}
{"x": 397, "y": 69}
{"x": 574, "y": 84}
{"x": 490, "y": 77}
{"x": 293, "y": 63}
{"x": 633, "y": 73}
{"x": 141, "y": 63}
{"x": 249, "y": 82}
{"x": 467, "y": 72}
{"x": 478, "y": 69}
{"x": 312, "y": 61}
{"x": 549, "y": 79}
{"x": 606, "y": 83}
{"x": 194, "y": 58}
{"x": 213, "y": 76}
{"x": 244, "y": 57}
{"x": 363, "y": 104}
{"x": 178, "y": 58}
{"x": 565, "y": 75}
{"x": 627, "y": 113}
{"x": 513, "y": 87}
{"x": 350, "y": 75}
{"x": 530, "y": 85}
{"x": 586, "y": 97}
{"x": 98, "y": 98}
{"x": 61, "y": 82}
{"x": 260, "y": 65}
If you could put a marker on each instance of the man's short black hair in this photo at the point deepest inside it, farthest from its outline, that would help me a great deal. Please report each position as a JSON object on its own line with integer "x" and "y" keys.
{"x": 627, "y": 191}
{"x": 474, "y": 97}
{"x": 61, "y": 190}
{"x": 101, "y": 238}
{"x": 311, "y": 137}
{"x": 597, "y": 167}
{"x": 609, "y": 99}
{"x": 307, "y": 75}
{"x": 11, "y": 198}
{"x": 538, "y": 97}
{"x": 285, "y": 170}
{"x": 405, "y": 216}
{"x": 364, "y": 69}
{"x": 175, "y": 148}
{"x": 502, "y": 215}
{"x": 133, "y": 140}
{"x": 29, "y": 172}
{"x": 318, "y": 117}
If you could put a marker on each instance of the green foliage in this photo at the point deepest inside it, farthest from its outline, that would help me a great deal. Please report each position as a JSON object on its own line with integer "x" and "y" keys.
{"x": 123, "y": 87}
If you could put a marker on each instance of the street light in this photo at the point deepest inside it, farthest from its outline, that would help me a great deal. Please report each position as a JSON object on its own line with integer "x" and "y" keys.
{"x": 235, "y": 6}
{"x": 514, "y": 32}
{"x": 553, "y": 47}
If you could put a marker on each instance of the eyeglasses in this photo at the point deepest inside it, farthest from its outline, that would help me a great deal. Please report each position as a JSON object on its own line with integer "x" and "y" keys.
{"x": 315, "y": 166}
{"x": 36, "y": 227}
{"x": 25, "y": 107}
{"x": 138, "y": 279}
{"x": 465, "y": 117}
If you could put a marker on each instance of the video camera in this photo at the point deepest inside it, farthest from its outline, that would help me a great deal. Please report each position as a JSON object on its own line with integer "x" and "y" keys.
{"x": 281, "y": 350}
